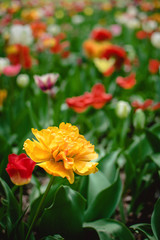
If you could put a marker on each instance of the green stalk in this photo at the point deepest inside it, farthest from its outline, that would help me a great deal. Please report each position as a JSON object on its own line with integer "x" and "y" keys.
{"x": 20, "y": 197}
{"x": 39, "y": 207}
{"x": 121, "y": 209}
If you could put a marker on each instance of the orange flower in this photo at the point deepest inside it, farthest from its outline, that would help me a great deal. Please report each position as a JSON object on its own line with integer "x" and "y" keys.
{"x": 94, "y": 49}
{"x": 62, "y": 151}
{"x": 3, "y": 95}
{"x": 38, "y": 28}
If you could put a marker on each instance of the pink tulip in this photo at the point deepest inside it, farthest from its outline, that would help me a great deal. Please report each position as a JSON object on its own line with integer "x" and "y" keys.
{"x": 115, "y": 29}
{"x": 12, "y": 70}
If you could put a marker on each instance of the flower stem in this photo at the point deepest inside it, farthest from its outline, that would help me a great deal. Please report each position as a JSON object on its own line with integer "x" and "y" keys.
{"x": 122, "y": 213}
{"x": 20, "y": 196}
{"x": 40, "y": 207}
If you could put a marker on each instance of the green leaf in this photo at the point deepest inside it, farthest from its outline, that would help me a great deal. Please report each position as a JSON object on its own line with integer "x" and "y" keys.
{"x": 108, "y": 165}
{"x": 138, "y": 150}
{"x": 103, "y": 197}
{"x": 156, "y": 159}
{"x": 145, "y": 229}
{"x": 13, "y": 206}
{"x": 65, "y": 215}
{"x": 153, "y": 140}
{"x": 14, "y": 219}
{"x": 49, "y": 199}
{"x": 155, "y": 220}
{"x": 108, "y": 229}
{"x": 55, "y": 237}
{"x": 97, "y": 183}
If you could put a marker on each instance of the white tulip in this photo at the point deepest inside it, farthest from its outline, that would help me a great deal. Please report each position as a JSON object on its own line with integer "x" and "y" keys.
{"x": 20, "y": 34}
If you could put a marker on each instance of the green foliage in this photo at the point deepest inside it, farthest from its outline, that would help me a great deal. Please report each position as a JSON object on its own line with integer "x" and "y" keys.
{"x": 65, "y": 215}
{"x": 110, "y": 229}
{"x": 155, "y": 220}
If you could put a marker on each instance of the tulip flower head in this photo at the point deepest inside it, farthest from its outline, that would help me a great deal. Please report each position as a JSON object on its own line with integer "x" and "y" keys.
{"x": 114, "y": 52}
{"x": 12, "y": 70}
{"x": 105, "y": 66}
{"x": 101, "y": 34}
{"x": 19, "y": 54}
{"x": 126, "y": 82}
{"x": 97, "y": 98}
{"x": 46, "y": 82}
{"x": 62, "y": 151}
{"x": 21, "y": 34}
{"x": 145, "y": 105}
{"x": 20, "y": 168}
{"x": 154, "y": 66}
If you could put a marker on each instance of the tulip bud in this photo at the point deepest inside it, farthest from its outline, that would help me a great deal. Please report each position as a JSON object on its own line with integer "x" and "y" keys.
{"x": 22, "y": 80}
{"x": 20, "y": 168}
{"x": 139, "y": 119}
{"x": 123, "y": 109}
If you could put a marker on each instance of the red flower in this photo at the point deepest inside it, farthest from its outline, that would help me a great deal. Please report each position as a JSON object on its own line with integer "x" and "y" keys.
{"x": 80, "y": 103}
{"x": 99, "y": 97}
{"x": 115, "y": 52}
{"x": 156, "y": 106}
{"x": 126, "y": 82}
{"x": 154, "y": 66}
{"x": 142, "y": 35}
{"x": 143, "y": 106}
{"x": 101, "y": 34}
{"x": 61, "y": 47}
{"x": 20, "y": 168}
{"x": 20, "y": 55}
{"x": 38, "y": 28}
{"x": 109, "y": 71}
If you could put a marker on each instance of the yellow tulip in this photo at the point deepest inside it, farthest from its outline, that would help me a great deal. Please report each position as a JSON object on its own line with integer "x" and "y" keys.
{"x": 62, "y": 151}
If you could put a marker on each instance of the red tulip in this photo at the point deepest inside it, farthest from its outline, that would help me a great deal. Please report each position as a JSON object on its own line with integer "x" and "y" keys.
{"x": 80, "y": 103}
{"x": 20, "y": 55}
{"x": 20, "y": 168}
{"x": 101, "y": 34}
{"x": 154, "y": 66}
{"x": 126, "y": 82}
{"x": 143, "y": 106}
{"x": 99, "y": 97}
{"x": 142, "y": 35}
{"x": 156, "y": 106}
{"x": 116, "y": 52}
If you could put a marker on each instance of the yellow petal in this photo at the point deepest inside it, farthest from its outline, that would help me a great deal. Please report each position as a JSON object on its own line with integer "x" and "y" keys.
{"x": 44, "y": 136}
{"x": 85, "y": 168}
{"x": 36, "y": 151}
{"x": 103, "y": 64}
{"x": 57, "y": 169}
